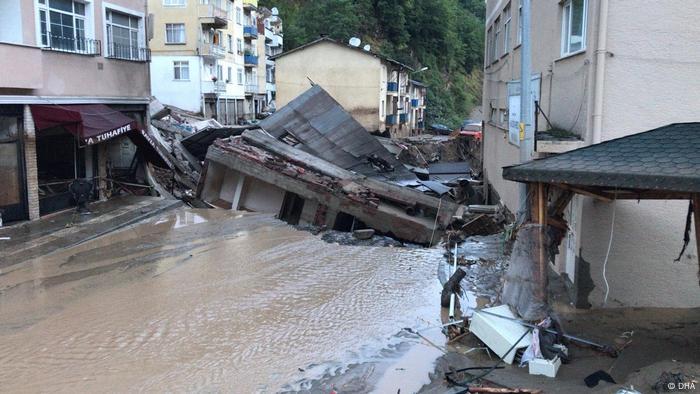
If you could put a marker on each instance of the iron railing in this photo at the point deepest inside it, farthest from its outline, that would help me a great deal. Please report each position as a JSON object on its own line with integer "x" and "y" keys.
{"x": 251, "y": 88}
{"x": 79, "y": 45}
{"x": 128, "y": 52}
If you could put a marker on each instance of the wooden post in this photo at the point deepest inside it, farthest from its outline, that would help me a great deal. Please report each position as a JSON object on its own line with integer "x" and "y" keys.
{"x": 542, "y": 221}
{"x": 696, "y": 218}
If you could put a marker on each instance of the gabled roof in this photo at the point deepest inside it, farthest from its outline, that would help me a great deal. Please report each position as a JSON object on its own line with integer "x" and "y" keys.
{"x": 666, "y": 158}
{"x": 324, "y": 129}
{"x": 328, "y": 39}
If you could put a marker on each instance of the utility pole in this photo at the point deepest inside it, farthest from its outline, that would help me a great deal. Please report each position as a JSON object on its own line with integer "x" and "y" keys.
{"x": 526, "y": 130}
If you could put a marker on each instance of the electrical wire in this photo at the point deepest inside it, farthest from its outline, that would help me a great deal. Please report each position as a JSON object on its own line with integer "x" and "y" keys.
{"x": 607, "y": 254}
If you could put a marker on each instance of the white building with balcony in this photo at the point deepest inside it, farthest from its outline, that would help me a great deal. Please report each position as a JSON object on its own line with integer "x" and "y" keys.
{"x": 198, "y": 60}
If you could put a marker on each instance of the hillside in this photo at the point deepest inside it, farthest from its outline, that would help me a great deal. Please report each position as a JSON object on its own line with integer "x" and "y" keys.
{"x": 445, "y": 35}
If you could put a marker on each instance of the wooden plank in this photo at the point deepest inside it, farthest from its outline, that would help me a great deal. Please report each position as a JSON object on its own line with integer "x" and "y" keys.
{"x": 696, "y": 218}
{"x": 586, "y": 192}
{"x": 542, "y": 220}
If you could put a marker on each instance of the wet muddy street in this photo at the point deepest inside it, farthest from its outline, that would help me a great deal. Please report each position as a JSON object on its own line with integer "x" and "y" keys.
{"x": 215, "y": 301}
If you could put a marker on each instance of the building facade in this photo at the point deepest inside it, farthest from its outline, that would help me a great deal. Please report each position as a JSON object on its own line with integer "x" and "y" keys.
{"x": 373, "y": 88}
{"x": 418, "y": 92}
{"x": 599, "y": 72}
{"x": 74, "y": 83}
{"x": 274, "y": 45}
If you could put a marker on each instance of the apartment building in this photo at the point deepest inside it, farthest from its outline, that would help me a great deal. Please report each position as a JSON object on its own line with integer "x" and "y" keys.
{"x": 274, "y": 45}
{"x": 418, "y": 92}
{"x": 372, "y": 87}
{"x": 198, "y": 56}
{"x": 74, "y": 90}
{"x": 601, "y": 70}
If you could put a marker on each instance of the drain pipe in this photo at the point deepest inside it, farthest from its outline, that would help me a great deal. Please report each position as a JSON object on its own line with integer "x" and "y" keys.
{"x": 600, "y": 54}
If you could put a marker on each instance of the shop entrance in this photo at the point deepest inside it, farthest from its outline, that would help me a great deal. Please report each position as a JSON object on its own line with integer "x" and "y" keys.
{"x": 13, "y": 201}
{"x": 60, "y": 160}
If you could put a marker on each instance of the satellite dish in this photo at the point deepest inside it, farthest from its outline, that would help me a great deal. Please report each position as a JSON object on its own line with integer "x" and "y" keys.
{"x": 275, "y": 11}
{"x": 366, "y": 47}
{"x": 355, "y": 42}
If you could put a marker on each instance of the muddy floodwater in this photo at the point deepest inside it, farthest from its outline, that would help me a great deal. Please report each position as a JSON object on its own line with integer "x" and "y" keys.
{"x": 215, "y": 301}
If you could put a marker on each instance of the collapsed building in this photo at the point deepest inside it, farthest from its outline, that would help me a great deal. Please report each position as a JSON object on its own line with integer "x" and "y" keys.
{"x": 312, "y": 163}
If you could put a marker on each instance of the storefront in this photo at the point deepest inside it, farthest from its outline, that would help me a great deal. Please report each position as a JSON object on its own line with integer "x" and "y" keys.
{"x": 44, "y": 148}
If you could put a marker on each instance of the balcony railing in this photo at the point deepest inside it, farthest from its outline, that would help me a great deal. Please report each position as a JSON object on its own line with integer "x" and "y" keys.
{"x": 250, "y": 31}
{"x": 210, "y": 14}
{"x": 128, "y": 52}
{"x": 80, "y": 45}
{"x": 212, "y": 50}
{"x": 392, "y": 87}
{"x": 391, "y": 119}
{"x": 250, "y": 60}
{"x": 415, "y": 103}
{"x": 251, "y": 88}
{"x": 213, "y": 87}
{"x": 403, "y": 118}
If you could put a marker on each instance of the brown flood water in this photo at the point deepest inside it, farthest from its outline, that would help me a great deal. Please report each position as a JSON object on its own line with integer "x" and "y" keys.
{"x": 215, "y": 301}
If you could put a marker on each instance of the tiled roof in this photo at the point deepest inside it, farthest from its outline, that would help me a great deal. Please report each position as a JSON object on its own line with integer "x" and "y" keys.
{"x": 666, "y": 158}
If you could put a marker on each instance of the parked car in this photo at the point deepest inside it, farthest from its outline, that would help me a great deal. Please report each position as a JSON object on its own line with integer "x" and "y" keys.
{"x": 440, "y": 128}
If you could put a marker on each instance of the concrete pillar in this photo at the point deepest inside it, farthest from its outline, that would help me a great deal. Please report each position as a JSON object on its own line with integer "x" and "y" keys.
{"x": 102, "y": 156}
{"x": 236, "y": 203}
{"x": 30, "y": 164}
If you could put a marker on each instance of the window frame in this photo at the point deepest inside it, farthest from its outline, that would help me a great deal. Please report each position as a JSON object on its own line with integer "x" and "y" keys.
{"x": 566, "y": 27}
{"x": 184, "y": 34}
{"x": 45, "y": 8}
{"x": 240, "y": 76}
{"x": 181, "y": 65}
{"x": 173, "y": 3}
{"x": 506, "y": 28}
{"x": 520, "y": 22}
{"x": 496, "y": 38}
{"x": 138, "y": 30}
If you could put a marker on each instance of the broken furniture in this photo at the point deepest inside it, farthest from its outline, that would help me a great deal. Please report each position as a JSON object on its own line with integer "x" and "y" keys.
{"x": 499, "y": 334}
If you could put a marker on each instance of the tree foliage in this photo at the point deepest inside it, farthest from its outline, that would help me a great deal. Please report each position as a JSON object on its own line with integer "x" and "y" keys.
{"x": 447, "y": 36}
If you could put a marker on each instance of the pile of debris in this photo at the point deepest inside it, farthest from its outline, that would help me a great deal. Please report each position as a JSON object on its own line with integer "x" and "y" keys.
{"x": 170, "y": 129}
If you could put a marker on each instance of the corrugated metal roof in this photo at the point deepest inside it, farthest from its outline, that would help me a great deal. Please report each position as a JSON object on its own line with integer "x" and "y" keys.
{"x": 666, "y": 158}
{"x": 326, "y": 130}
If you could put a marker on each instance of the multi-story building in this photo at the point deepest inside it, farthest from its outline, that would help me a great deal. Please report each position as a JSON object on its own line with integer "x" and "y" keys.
{"x": 417, "y": 92}
{"x": 274, "y": 41}
{"x": 601, "y": 70}
{"x": 74, "y": 83}
{"x": 371, "y": 87}
{"x": 199, "y": 56}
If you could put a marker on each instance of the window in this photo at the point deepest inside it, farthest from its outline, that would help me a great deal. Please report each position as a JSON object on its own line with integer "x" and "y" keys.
{"x": 239, "y": 15}
{"x": 219, "y": 72}
{"x": 573, "y": 26}
{"x": 62, "y": 26}
{"x": 174, "y": 3}
{"x": 520, "y": 22}
{"x": 489, "y": 46}
{"x": 497, "y": 38}
{"x": 230, "y": 43}
{"x": 123, "y": 36}
{"x": 181, "y": 70}
{"x": 174, "y": 33}
{"x": 229, "y": 75}
{"x": 239, "y": 76}
{"x": 239, "y": 46}
{"x": 506, "y": 29}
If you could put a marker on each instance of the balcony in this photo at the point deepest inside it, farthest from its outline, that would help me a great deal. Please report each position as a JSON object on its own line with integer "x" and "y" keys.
{"x": 251, "y": 88}
{"x": 403, "y": 118}
{"x": 269, "y": 35}
{"x": 213, "y": 87}
{"x": 211, "y": 51}
{"x": 80, "y": 45}
{"x": 128, "y": 52}
{"x": 250, "y": 31}
{"x": 213, "y": 16}
{"x": 25, "y": 74}
{"x": 415, "y": 103}
{"x": 391, "y": 119}
{"x": 392, "y": 87}
{"x": 250, "y": 4}
{"x": 250, "y": 60}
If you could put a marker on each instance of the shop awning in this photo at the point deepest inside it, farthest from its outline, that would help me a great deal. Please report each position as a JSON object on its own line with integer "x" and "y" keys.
{"x": 91, "y": 123}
